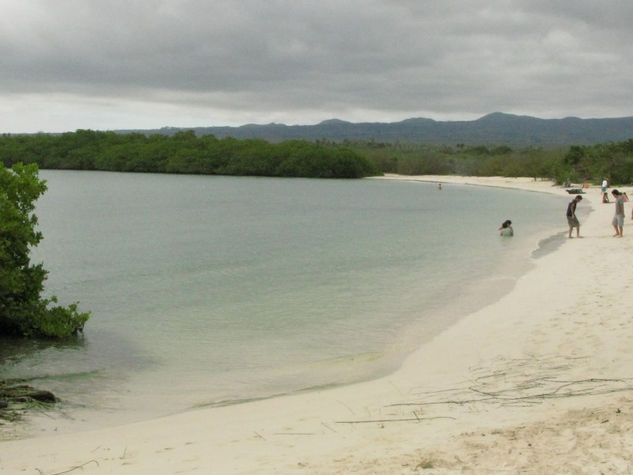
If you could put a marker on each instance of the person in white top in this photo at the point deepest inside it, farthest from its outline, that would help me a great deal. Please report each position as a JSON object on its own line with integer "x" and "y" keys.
{"x": 605, "y": 196}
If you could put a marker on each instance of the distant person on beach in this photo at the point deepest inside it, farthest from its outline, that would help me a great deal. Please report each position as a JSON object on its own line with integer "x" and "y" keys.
{"x": 618, "y": 219}
{"x": 572, "y": 220}
{"x": 605, "y": 196}
{"x": 506, "y": 228}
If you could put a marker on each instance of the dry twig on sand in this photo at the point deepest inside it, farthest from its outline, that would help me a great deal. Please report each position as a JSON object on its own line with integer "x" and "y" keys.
{"x": 559, "y": 389}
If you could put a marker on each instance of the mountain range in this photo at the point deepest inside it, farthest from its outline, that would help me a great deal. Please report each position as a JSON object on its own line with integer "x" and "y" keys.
{"x": 495, "y": 128}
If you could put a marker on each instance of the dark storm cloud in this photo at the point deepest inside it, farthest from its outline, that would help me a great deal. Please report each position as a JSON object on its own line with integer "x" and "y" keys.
{"x": 300, "y": 61}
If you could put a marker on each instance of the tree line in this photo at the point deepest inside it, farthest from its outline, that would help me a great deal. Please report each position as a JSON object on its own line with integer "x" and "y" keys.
{"x": 613, "y": 161}
{"x": 575, "y": 164}
{"x": 183, "y": 152}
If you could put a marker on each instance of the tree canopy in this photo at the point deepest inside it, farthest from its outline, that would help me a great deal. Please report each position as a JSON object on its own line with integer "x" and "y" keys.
{"x": 23, "y": 311}
{"x": 184, "y": 152}
{"x": 577, "y": 163}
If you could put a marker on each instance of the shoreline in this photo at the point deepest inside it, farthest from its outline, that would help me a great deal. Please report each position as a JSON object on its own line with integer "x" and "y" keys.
{"x": 527, "y": 369}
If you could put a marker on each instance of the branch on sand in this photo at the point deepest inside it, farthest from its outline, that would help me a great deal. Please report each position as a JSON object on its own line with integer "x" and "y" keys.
{"x": 508, "y": 396}
{"x": 562, "y": 389}
{"x": 16, "y": 396}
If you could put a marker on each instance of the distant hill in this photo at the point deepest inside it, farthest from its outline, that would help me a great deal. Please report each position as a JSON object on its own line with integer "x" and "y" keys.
{"x": 496, "y": 128}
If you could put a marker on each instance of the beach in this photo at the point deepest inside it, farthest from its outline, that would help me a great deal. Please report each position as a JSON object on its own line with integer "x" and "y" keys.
{"x": 539, "y": 381}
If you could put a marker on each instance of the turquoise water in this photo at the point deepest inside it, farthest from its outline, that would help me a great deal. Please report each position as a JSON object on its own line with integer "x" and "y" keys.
{"x": 209, "y": 290}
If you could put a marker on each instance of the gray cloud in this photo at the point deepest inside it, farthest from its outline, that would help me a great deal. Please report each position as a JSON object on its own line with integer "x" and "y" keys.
{"x": 147, "y": 63}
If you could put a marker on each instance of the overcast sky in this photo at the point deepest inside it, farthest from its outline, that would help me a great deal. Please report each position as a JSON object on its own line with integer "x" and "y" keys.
{"x": 117, "y": 64}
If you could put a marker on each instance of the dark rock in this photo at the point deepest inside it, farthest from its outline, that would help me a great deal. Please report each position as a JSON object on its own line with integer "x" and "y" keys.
{"x": 39, "y": 395}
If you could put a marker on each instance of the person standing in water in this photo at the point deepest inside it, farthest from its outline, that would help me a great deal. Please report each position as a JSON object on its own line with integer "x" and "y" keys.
{"x": 506, "y": 228}
{"x": 572, "y": 220}
{"x": 618, "y": 219}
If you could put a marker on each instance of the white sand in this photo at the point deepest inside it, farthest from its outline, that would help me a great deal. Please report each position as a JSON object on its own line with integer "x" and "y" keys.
{"x": 540, "y": 381}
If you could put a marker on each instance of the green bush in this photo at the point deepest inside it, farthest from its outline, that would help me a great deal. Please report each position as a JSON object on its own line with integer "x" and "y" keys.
{"x": 23, "y": 312}
{"x": 184, "y": 153}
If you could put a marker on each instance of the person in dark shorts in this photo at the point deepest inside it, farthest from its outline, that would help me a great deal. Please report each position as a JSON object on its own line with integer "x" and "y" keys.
{"x": 572, "y": 220}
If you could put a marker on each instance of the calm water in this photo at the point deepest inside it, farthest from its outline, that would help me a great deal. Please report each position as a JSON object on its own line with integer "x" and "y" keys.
{"x": 209, "y": 290}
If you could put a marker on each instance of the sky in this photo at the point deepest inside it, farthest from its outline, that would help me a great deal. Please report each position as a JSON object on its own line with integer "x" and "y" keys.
{"x": 140, "y": 64}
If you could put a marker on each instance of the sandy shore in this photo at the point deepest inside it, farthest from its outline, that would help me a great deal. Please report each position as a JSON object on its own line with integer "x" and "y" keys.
{"x": 540, "y": 381}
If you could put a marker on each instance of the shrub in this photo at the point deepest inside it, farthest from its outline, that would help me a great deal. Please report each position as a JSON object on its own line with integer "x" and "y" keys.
{"x": 23, "y": 312}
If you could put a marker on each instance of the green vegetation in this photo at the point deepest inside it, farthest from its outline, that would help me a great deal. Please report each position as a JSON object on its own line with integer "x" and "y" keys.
{"x": 23, "y": 312}
{"x": 420, "y": 159}
{"x": 613, "y": 161}
{"x": 183, "y": 153}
